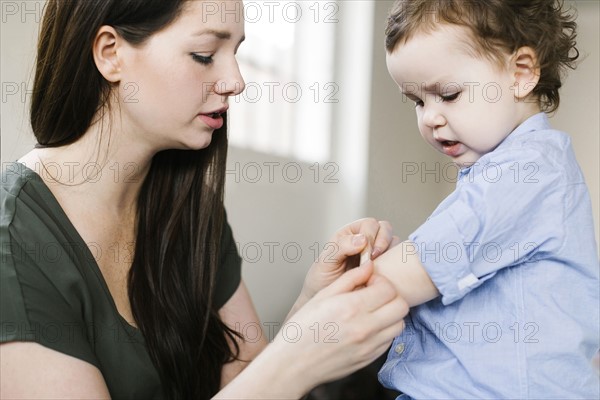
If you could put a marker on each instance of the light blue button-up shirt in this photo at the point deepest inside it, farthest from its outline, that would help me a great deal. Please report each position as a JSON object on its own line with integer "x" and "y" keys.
{"x": 513, "y": 254}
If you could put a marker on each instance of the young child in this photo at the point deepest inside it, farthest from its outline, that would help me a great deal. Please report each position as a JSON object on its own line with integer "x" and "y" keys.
{"x": 511, "y": 251}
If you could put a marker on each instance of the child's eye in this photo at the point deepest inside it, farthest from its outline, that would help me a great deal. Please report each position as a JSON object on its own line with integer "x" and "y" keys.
{"x": 450, "y": 97}
{"x": 204, "y": 60}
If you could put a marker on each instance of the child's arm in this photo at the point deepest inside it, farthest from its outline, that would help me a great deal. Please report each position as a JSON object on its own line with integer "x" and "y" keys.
{"x": 401, "y": 266}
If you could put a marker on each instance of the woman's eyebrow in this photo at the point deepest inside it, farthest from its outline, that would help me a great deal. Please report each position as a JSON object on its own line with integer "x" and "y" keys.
{"x": 223, "y": 35}
{"x": 214, "y": 32}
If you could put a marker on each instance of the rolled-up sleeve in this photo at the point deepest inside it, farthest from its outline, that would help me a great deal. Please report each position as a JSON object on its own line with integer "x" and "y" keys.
{"x": 504, "y": 212}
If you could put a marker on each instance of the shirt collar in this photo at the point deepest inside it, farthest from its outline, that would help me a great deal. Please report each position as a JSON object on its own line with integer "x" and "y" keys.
{"x": 536, "y": 122}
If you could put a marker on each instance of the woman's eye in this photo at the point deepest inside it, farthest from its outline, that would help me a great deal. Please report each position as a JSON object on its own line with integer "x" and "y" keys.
{"x": 419, "y": 103}
{"x": 450, "y": 97}
{"x": 204, "y": 60}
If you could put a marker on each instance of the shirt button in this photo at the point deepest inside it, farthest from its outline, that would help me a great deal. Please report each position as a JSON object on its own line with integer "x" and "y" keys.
{"x": 399, "y": 349}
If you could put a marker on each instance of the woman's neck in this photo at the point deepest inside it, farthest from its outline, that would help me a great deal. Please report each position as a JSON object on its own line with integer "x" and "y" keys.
{"x": 104, "y": 169}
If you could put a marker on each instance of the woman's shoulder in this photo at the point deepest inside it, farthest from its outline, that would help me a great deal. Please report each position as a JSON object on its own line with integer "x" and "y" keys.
{"x": 42, "y": 288}
{"x": 37, "y": 238}
{"x": 14, "y": 177}
{"x": 30, "y": 213}
{"x": 42, "y": 254}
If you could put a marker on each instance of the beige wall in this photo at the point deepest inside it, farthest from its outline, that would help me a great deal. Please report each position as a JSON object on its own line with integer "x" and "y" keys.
{"x": 400, "y": 189}
{"x": 18, "y": 28}
{"x": 579, "y": 112}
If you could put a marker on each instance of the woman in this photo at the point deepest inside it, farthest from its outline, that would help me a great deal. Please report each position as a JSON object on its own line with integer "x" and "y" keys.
{"x": 120, "y": 276}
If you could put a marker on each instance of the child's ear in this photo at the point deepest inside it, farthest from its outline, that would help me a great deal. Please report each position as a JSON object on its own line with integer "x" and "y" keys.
{"x": 526, "y": 71}
{"x": 105, "y": 54}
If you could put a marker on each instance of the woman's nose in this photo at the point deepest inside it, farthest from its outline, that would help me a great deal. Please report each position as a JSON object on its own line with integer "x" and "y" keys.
{"x": 231, "y": 82}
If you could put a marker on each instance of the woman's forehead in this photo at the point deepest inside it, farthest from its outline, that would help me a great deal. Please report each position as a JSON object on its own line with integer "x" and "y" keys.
{"x": 214, "y": 13}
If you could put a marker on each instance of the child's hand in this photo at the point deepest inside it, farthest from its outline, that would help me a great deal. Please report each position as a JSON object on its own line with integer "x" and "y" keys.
{"x": 343, "y": 251}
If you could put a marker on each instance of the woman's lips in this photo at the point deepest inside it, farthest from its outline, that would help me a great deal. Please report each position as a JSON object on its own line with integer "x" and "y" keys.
{"x": 214, "y": 121}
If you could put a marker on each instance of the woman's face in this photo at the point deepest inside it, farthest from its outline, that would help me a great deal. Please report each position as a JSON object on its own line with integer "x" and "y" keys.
{"x": 174, "y": 87}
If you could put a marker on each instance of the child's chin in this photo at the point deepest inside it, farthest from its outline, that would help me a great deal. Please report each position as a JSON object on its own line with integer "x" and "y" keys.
{"x": 462, "y": 164}
{"x": 464, "y": 161}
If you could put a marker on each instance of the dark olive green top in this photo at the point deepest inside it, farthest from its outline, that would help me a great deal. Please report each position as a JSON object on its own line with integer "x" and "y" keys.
{"x": 52, "y": 291}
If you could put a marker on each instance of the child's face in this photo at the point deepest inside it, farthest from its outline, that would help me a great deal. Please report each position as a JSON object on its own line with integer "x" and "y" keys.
{"x": 465, "y": 103}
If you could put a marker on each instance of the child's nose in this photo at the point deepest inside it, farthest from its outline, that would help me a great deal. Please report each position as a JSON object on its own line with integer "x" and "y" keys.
{"x": 432, "y": 117}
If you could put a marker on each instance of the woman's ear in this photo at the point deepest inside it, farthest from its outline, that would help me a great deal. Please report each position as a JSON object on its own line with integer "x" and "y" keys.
{"x": 105, "y": 54}
{"x": 526, "y": 71}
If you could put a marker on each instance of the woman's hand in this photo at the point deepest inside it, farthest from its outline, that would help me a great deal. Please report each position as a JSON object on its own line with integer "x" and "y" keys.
{"x": 343, "y": 328}
{"x": 349, "y": 325}
{"x": 343, "y": 251}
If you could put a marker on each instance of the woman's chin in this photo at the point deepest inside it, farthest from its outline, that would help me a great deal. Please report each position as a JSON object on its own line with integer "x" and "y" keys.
{"x": 197, "y": 143}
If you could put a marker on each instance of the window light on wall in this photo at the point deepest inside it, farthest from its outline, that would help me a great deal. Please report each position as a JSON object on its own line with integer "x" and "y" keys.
{"x": 287, "y": 63}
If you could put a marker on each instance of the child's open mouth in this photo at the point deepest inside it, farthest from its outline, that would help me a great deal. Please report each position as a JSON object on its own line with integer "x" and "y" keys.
{"x": 448, "y": 143}
{"x": 451, "y": 148}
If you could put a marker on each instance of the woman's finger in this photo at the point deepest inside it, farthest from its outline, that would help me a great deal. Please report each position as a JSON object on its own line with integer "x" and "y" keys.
{"x": 349, "y": 281}
{"x": 378, "y": 291}
{"x": 346, "y": 246}
{"x": 389, "y": 333}
{"x": 388, "y": 314}
{"x": 383, "y": 239}
{"x": 366, "y": 226}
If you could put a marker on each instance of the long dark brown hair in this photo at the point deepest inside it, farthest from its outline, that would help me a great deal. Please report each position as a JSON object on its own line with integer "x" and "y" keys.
{"x": 180, "y": 206}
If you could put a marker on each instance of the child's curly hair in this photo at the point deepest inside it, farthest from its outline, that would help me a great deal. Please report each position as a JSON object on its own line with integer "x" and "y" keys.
{"x": 497, "y": 26}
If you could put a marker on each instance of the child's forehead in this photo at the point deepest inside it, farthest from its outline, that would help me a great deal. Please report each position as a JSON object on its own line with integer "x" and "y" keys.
{"x": 429, "y": 61}
{"x": 448, "y": 44}
{"x": 460, "y": 37}
{"x": 426, "y": 46}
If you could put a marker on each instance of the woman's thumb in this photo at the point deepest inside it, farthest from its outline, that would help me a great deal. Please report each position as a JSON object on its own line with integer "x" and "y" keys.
{"x": 350, "y": 280}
